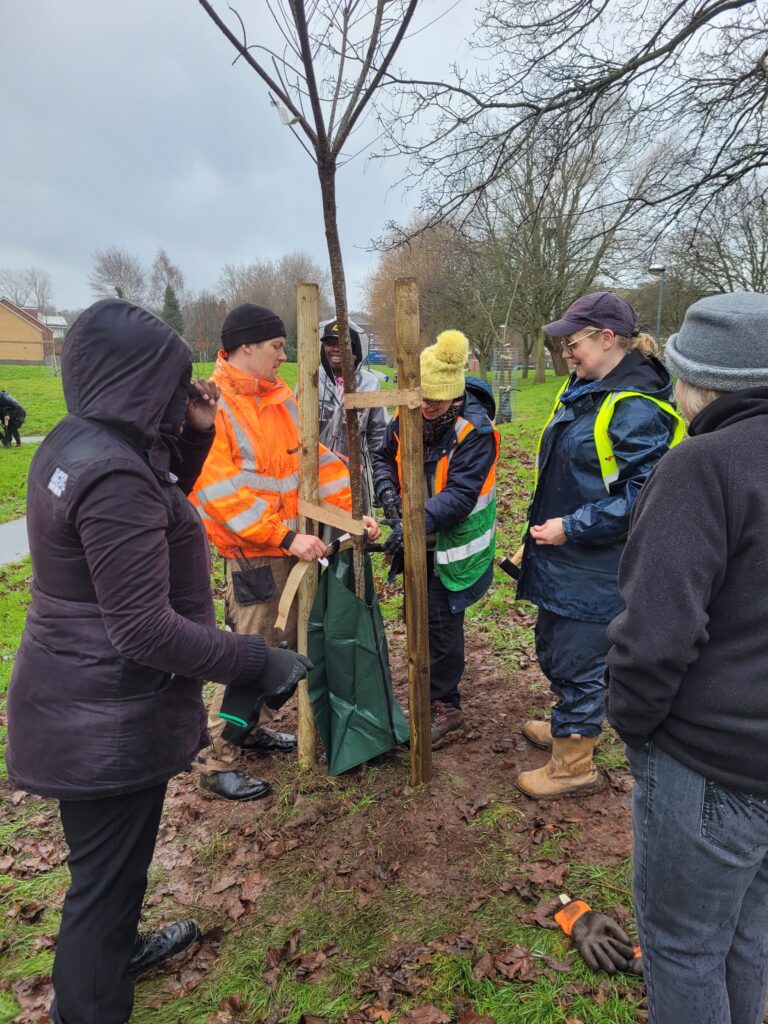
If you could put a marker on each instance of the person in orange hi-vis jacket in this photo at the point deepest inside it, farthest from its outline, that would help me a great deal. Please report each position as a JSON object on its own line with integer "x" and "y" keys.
{"x": 247, "y": 496}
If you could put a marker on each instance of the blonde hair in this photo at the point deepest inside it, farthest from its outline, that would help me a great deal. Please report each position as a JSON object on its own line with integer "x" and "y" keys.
{"x": 644, "y": 343}
{"x": 693, "y": 399}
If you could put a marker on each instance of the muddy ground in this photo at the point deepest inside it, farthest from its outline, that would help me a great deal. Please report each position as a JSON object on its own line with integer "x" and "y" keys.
{"x": 468, "y": 842}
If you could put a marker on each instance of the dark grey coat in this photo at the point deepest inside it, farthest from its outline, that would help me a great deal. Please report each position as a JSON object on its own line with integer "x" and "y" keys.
{"x": 105, "y": 696}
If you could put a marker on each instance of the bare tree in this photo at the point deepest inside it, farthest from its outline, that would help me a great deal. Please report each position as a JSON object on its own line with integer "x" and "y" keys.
{"x": 333, "y": 58}
{"x": 690, "y": 77}
{"x": 273, "y": 283}
{"x": 558, "y": 218}
{"x": 15, "y": 285}
{"x": 164, "y": 273}
{"x": 41, "y": 289}
{"x": 203, "y": 316}
{"x": 453, "y": 291}
{"x": 117, "y": 273}
{"x": 728, "y": 243}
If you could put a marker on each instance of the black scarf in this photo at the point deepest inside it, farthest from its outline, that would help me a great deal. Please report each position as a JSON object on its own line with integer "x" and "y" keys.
{"x": 433, "y": 430}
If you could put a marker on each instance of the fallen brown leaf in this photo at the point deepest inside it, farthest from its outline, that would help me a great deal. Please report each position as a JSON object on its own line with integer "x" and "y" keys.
{"x": 224, "y": 883}
{"x": 425, "y": 1015}
{"x": 252, "y": 887}
{"x": 516, "y": 963}
{"x": 550, "y": 875}
{"x": 483, "y": 967}
{"x": 541, "y": 914}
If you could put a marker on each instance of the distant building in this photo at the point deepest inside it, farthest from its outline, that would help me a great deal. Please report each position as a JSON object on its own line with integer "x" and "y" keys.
{"x": 58, "y": 325}
{"x": 23, "y": 337}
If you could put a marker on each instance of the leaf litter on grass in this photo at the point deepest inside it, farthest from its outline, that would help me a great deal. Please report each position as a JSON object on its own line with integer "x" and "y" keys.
{"x": 362, "y": 899}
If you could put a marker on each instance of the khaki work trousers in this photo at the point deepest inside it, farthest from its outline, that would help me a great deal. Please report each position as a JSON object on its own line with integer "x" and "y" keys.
{"x": 222, "y": 756}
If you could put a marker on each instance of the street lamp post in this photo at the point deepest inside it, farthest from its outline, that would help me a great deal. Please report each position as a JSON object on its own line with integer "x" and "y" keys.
{"x": 660, "y": 271}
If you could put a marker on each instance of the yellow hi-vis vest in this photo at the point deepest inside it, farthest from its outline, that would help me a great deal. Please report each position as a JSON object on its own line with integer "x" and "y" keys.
{"x": 605, "y": 453}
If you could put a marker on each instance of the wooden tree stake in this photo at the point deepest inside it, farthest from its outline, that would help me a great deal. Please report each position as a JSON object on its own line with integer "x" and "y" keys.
{"x": 413, "y": 495}
{"x": 308, "y": 361}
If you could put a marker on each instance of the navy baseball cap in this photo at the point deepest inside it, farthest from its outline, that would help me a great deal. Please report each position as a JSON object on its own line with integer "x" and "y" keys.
{"x": 598, "y": 309}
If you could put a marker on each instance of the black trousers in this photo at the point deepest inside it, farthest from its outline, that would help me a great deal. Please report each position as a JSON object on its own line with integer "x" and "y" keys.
{"x": 446, "y": 642}
{"x": 111, "y": 842}
{"x": 12, "y": 433}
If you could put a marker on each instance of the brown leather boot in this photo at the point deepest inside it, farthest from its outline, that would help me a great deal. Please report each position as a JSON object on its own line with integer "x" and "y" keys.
{"x": 538, "y": 732}
{"x": 570, "y": 769}
{"x": 445, "y": 720}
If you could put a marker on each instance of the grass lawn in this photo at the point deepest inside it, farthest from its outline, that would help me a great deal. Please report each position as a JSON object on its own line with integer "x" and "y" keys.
{"x": 341, "y": 927}
{"x": 41, "y": 393}
{"x": 14, "y": 466}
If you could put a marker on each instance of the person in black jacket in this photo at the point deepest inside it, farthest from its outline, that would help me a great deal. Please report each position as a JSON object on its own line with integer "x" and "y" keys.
{"x": 461, "y": 448}
{"x": 104, "y": 704}
{"x": 610, "y": 425}
{"x": 12, "y": 415}
{"x": 688, "y": 678}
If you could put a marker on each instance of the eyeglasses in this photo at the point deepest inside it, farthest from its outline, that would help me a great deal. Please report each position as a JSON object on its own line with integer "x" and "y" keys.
{"x": 569, "y": 346}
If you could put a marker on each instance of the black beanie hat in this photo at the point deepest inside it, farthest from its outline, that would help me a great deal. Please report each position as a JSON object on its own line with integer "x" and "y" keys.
{"x": 248, "y": 324}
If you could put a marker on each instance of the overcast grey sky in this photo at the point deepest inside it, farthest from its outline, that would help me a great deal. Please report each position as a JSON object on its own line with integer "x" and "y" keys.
{"x": 125, "y": 124}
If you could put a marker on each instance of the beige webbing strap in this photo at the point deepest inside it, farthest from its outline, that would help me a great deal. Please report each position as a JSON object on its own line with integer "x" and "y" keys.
{"x": 292, "y": 584}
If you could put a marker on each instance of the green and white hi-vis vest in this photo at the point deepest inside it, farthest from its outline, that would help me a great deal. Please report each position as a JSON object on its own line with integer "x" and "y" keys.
{"x": 464, "y": 552}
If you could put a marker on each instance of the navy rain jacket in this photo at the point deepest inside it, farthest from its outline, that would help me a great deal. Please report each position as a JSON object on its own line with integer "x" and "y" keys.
{"x": 578, "y": 580}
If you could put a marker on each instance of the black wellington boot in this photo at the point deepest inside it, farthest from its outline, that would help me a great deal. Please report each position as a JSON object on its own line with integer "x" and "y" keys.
{"x": 154, "y": 948}
{"x": 234, "y": 785}
{"x": 267, "y": 741}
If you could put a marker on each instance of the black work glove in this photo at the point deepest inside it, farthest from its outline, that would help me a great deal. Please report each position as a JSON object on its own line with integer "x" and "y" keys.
{"x": 604, "y": 946}
{"x": 394, "y": 542}
{"x": 275, "y": 683}
{"x": 391, "y": 504}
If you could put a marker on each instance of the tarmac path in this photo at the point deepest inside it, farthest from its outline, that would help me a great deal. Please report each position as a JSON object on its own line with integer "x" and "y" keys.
{"x": 13, "y": 541}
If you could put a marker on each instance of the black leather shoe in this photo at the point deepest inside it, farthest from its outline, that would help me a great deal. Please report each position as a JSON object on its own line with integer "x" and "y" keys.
{"x": 234, "y": 785}
{"x": 268, "y": 741}
{"x": 154, "y": 948}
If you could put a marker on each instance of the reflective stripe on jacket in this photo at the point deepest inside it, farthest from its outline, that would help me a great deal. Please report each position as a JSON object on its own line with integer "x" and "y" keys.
{"x": 578, "y": 580}
{"x": 464, "y": 551}
{"x": 247, "y": 494}
{"x": 603, "y": 444}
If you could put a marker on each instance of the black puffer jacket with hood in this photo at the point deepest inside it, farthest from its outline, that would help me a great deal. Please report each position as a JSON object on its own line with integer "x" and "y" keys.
{"x": 105, "y": 696}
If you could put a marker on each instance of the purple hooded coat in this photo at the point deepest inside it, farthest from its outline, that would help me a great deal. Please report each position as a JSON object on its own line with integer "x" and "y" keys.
{"x": 105, "y": 696}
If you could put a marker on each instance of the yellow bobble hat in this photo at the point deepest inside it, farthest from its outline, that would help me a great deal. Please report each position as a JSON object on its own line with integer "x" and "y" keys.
{"x": 442, "y": 366}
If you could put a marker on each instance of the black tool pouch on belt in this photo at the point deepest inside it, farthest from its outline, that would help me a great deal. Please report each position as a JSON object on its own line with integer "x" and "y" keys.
{"x": 252, "y": 584}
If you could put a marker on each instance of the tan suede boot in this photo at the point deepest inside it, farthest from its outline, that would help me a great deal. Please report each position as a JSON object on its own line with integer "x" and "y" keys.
{"x": 570, "y": 769}
{"x": 538, "y": 731}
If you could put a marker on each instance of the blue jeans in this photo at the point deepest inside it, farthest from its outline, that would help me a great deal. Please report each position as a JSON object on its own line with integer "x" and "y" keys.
{"x": 701, "y": 893}
{"x": 572, "y": 656}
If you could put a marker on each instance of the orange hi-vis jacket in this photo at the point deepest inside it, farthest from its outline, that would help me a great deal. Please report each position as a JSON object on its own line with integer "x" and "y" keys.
{"x": 248, "y": 491}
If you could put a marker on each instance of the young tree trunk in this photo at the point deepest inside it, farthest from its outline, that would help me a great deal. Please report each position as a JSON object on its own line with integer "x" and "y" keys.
{"x": 326, "y": 170}
{"x": 541, "y": 364}
{"x": 558, "y": 359}
{"x": 527, "y": 353}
